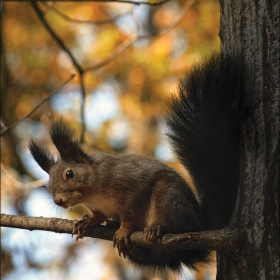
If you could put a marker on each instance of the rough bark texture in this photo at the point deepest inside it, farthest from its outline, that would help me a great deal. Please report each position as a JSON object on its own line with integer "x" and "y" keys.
{"x": 212, "y": 240}
{"x": 252, "y": 29}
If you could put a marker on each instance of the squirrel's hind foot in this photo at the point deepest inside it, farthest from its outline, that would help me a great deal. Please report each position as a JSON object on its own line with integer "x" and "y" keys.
{"x": 122, "y": 241}
{"x": 154, "y": 231}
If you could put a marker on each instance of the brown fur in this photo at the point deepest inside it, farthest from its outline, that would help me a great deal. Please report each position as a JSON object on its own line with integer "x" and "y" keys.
{"x": 141, "y": 193}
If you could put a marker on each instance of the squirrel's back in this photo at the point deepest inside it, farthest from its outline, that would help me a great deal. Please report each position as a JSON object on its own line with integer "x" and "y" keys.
{"x": 204, "y": 130}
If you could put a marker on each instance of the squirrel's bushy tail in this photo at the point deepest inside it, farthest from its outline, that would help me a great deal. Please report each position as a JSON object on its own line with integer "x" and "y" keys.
{"x": 154, "y": 260}
{"x": 203, "y": 126}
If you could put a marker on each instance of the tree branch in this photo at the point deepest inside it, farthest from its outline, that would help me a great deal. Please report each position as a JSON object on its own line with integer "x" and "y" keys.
{"x": 207, "y": 240}
{"x": 78, "y": 67}
{"x": 98, "y": 22}
{"x": 103, "y": 1}
{"x": 8, "y": 179}
{"x": 83, "y": 115}
{"x": 56, "y": 38}
{"x": 36, "y": 107}
{"x": 118, "y": 51}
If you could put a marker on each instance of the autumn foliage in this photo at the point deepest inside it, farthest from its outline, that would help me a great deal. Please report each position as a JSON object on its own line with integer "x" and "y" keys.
{"x": 127, "y": 60}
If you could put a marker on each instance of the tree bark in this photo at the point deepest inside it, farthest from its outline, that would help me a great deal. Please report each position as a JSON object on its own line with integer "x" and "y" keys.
{"x": 208, "y": 240}
{"x": 251, "y": 28}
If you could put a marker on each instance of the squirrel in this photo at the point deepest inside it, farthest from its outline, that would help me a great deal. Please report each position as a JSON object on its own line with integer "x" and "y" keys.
{"x": 143, "y": 194}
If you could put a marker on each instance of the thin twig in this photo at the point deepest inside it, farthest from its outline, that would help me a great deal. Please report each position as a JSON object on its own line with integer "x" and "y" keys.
{"x": 102, "y": 1}
{"x": 74, "y": 61}
{"x": 118, "y": 51}
{"x": 7, "y": 179}
{"x": 99, "y": 22}
{"x": 169, "y": 28}
{"x": 134, "y": 2}
{"x": 82, "y": 83}
{"x": 135, "y": 38}
{"x": 3, "y": 125}
{"x": 57, "y": 39}
{"x": 37, "y": 106}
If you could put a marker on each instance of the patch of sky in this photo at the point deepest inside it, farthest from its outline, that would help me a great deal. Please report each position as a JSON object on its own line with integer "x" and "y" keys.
{"x": 13, "y": 60}
{"x": 33, "y": 274}
{"x": 134, "y": 23}
{"x": 40, "y": 203}
{"x": 41, "y": 249}
{"x": 101, "y": 105}
{"x": 163, "y": 151}
{"x": 64, "y": 59}
{"x": 31, "y": 165}
{"x": 65, "y": 102}
{"x": 142, "y": 15}
{"x": 86, "y": 36}
{"x": 118, "y": 133}
{"x": 37, "y": 243}
{"x": 24, "y": 131}
{"x": 126, "y": 24}
{"x": 180, "y": 43}
{"x": 7, "y": 207}
{"x": 30, "y": 129}
{"x": 187, "y": 274}
{"x": 37, "y": 246}
{"x": 91, "y": 261}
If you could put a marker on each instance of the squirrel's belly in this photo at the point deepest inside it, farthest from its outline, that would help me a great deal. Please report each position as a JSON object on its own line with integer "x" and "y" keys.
{"x": 102, "y": 204}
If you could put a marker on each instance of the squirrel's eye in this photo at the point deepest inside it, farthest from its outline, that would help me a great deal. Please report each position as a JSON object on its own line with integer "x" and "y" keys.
{"x": 69, "y": 174}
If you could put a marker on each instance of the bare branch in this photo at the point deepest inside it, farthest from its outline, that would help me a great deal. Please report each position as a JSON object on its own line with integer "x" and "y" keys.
{"x": 82, "y": 83}
{"x": 102, "y": 1}
{"x": 208, "y": 240}
{"x": 8, "y": 179}
{"x": 74, "y": 61}
{"x": 37, "y": 106}
{"x": 135, "y": 2}
{"x": 135, "y": 38}
{"x": 57, "y": 39}
{"x": 99, "y": 22}
{"x": 3, "y": 125}
{"x": 118, "y": 51}
{"x": 176, "y": 22}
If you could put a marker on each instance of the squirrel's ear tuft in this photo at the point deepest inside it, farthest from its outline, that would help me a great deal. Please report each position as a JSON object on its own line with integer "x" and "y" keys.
{"x": 68, "y": 146}
{"x": 41, "y": 155}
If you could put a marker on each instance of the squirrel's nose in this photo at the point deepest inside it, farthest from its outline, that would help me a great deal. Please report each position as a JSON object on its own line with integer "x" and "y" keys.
{"x": 58, "y": 201}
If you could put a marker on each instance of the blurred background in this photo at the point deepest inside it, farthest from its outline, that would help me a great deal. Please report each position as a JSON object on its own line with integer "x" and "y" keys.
{"x": 127, "y": 59}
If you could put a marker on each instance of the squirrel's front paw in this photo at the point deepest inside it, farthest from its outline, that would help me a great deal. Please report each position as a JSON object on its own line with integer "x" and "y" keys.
{"x": 154, "y": 231}
{"x": 81, "y": 226}
{"x": 122, "y": 241}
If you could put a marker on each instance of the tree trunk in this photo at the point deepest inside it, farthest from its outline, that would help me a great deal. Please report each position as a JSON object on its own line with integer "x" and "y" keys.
{"x": 252, "y": 29}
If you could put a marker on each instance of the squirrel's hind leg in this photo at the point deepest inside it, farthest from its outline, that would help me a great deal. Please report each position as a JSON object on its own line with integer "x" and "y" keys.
{"x": 156, "y": 223}
{"x": 173, "y": 208}
{"x": 122, "y": 235}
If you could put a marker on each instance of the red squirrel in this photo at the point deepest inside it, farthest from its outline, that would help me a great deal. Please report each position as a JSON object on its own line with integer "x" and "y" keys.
{"x": 145, "y": 195}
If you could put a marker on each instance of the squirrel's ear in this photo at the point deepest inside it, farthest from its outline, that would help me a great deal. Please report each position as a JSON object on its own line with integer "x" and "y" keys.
{"x": 69, "y": 148}
{"x": 41, "y": 155}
